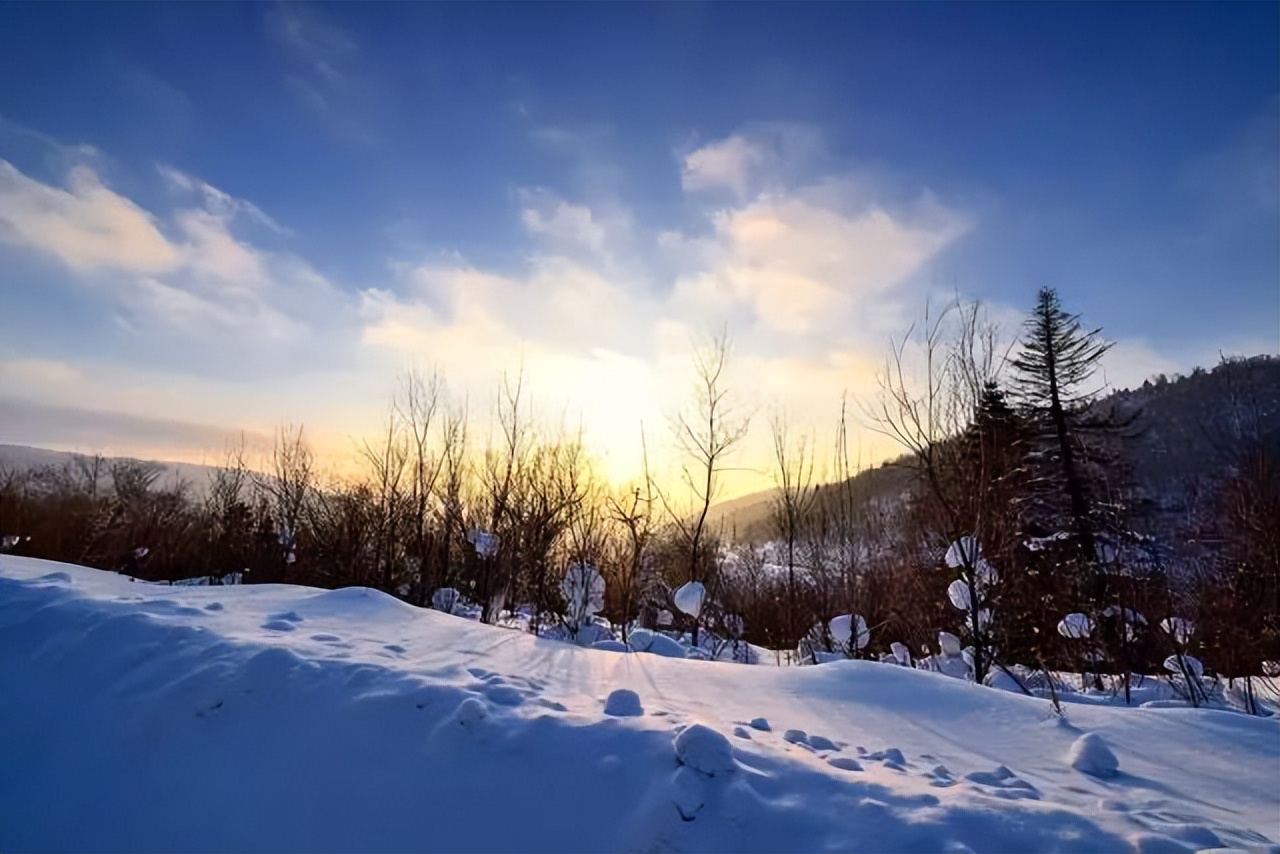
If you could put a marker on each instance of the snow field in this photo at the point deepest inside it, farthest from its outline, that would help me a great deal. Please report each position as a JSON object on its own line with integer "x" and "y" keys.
{"x": 143, "y": 717}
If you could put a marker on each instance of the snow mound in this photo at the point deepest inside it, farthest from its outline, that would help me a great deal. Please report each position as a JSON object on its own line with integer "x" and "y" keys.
{"x": 611, "y": 646}
{"x": 703, "y": 749}
{"x": 1089, "y": 754}
{"x": 623, "y": 703}
{"x": 643, "y": 640}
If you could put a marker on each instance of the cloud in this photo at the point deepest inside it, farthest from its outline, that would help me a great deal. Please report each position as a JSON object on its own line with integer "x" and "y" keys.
{"x": 188, "y": 277}
{"x": 84, "y": 224}
{"x": 727, "y": 163}
{"x": 803, "y": 265}
{"x": 811, "y": 277}
{"x": 324, "y": 71}
{"x": 563, "y": 223}
{"x": 216, "y": 202}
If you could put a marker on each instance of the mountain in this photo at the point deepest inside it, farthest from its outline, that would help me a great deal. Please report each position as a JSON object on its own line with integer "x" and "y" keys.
{"x": 26, "y": 458}
{"x": 1183, "y": 435}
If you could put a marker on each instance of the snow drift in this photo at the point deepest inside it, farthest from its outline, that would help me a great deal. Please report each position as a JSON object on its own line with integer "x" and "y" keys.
{"x": 142, "y": 717}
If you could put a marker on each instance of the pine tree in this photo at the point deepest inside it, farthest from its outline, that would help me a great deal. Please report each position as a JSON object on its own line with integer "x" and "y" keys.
{"x": 1056, "y": 361}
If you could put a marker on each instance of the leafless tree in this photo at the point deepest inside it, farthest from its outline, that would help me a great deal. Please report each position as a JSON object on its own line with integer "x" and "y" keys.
{"x": 707, "y": 435}
{"x": 793, "y": 503}
{"x": 633, "y": 509}
{"x": 289, "y": 485}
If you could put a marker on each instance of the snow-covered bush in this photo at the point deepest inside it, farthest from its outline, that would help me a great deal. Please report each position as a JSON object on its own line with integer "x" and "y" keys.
{"x": 689, "y": 598}
{"x": 486, "y": 542}
{"x": 446, "y": 599}
{"x": 970, "y": 592}
{"x": 644, "y": 640}
{"x": 583, "y": 591}
{"x": 842, "y": 637}
{"x": 1075, "y": 626}
{"x": 951, "y": 660}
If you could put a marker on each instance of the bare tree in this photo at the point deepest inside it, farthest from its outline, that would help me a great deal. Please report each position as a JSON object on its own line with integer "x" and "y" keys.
{"x": 288, "y": 486}
{"x": 387, "y": 461}
{"x": 419, "y": 400}
{"x": 632, "y": 509}
{"x": 707, "y": 436}
{"x": 793, "y": 503}
{"x": 929, "y": 418}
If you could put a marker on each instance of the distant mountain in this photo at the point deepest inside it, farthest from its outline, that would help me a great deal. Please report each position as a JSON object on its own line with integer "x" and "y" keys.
{"x": 25, "y": 458}
{"x": 1182, "y": 436}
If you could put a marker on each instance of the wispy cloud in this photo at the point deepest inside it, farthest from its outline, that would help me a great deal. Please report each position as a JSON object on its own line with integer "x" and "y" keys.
{"x": 84, "y": 223}
{"x": 187, "y": 274}
{"x": 217, "y": 202}
{"x": 323, "y": 69}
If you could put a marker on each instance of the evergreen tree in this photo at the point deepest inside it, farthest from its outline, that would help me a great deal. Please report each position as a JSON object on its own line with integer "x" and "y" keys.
{"x": 1056, "y": 361}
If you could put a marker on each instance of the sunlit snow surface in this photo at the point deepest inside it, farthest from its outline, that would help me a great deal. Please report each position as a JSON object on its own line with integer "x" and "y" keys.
{"x": 140, "y": 717}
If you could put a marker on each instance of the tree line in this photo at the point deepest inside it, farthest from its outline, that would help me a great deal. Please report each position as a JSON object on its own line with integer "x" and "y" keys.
{"x": 1015, "y": 513}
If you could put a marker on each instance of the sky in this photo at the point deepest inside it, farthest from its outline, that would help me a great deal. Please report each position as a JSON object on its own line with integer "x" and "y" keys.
{"x": 215, "y": 218}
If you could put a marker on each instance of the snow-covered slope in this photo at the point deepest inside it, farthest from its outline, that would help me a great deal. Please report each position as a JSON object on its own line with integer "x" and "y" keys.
{"x": 139, "y": 717}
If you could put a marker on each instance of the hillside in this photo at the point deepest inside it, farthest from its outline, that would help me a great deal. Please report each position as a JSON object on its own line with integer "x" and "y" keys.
{"x": 142, "y": 717}
{"x": 1182, "y": 436}
{"x": 26, "y": 458}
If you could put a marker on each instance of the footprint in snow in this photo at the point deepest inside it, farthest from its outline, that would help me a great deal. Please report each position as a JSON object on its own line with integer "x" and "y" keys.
{"x": 279, "y": 626}
{"x": 394, "y": 647}
{"x": 821, "y": 742}
{"x": 551, "y": 704}
{"x": 941, "y": 776}
{"x": 286, "y": 616}
{"x": 503, "y": 695}
{"x": 213, "y": 606}
{"x": 326, "y": 638}
{"x": 890, "y": 758}
{"x": 1004, "y": 783}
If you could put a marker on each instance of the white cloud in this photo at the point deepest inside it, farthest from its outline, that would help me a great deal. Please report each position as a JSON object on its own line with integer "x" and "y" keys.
{"x": 803, "y": 266}
{"x": 808, "y": 277}
{"x": 727, "y": 163}
{"x": 217, "y": 202}
{"x": 190, "y": 276}
{"x": 566, "y": 224}
{"x": 86, "y": 225}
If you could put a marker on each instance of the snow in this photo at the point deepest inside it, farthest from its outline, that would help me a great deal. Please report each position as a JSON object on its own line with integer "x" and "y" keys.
{"x": 623, "y": 703}
{"x": 963, "y": 553}
{"x": 138, "y": 717}
{"x": 1076, "y": 626}
{"x": 1192, "y": 664}
{"x": 1181, "y": 629}
{"x": 958, "y": 593}
{"x": 847, "y": 627}
{"x": 704, "y": 749}
{"x": 949, "y": 644}
{"x": 689, "y": 598}
{"x": 643, "y": 640}
{"x": 1089, "y": 754}
{"x": 583, "y": 591}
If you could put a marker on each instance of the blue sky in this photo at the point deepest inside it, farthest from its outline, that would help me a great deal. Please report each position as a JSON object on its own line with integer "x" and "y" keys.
{"x": 219, "y": 215}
